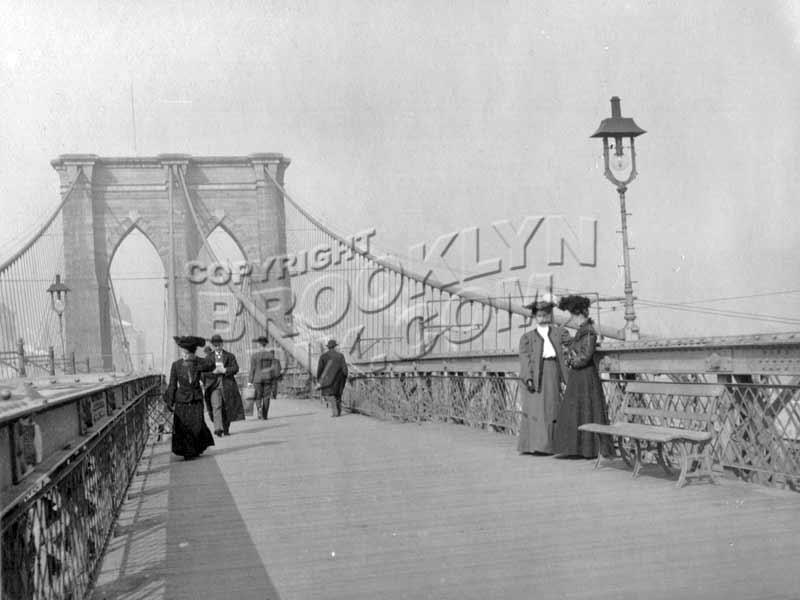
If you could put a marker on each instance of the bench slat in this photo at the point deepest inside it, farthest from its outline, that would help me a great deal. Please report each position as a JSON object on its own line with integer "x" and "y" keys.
{"x": 651, "y": 433}
{"x": 674, "y": 389}
{"x": 670, "y": 414}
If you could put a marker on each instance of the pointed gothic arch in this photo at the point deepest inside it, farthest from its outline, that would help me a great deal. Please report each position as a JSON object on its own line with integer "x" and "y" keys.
{"x": 107, "y": 198}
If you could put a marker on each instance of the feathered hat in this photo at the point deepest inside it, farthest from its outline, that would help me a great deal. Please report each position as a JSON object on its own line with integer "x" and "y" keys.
{"x": 189, "y": 342}
{"x": 546, "y": 302}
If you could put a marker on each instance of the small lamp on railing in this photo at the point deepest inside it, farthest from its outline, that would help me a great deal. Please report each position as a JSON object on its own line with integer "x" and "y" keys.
{"x": 58, "y": 301}
{"x": 619, "y": 157}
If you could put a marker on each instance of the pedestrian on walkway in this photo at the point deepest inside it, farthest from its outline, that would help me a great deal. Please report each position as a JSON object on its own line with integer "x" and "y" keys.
{"x": 542, "y": 371}
{"x": 184, "y": 397}
{"x": 331, "y": 377}
{"x": 584, "y": 400}
{"x": 223, "y": 400}
{"x": 265, "y": 371}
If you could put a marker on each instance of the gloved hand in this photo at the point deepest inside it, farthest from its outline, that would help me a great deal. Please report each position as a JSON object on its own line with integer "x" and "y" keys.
{"x": 530, "y": 386}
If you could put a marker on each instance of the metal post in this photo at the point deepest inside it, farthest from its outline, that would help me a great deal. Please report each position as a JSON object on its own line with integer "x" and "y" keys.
{"x": 74, "y": 366}
{"x": 51, "y": 358}
{"x": 631, "y": 328}
{"x": 88, "y": 367}
{"x": 21, "y": 357}
{"x": 61, "y": 334}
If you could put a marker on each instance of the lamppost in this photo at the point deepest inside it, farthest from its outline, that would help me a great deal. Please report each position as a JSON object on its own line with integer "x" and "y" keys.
{"x": 58, "y": 301}
{"x": 620, "y": 169}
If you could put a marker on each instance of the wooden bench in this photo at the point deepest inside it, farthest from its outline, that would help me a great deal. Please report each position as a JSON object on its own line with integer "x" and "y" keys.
{"x": 660, "y": 413}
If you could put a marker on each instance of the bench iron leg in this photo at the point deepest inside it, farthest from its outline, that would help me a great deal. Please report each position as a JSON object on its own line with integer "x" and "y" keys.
{"x": 706, "y": 461}
{"x": 600, "y": 456}
{"x": 684, "y": 452}
{"x": 662, "y": 461}
{"x": 624, "y": 453}
{"x": 637, "y": 465}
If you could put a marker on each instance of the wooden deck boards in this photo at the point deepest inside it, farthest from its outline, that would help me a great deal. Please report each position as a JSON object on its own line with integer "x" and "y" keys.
{"x": 304, "y": 506}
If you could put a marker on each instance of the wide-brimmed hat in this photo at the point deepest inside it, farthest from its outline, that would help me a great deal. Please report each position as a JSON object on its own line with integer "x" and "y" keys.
{"x": 332, "y": 343}
{"x": 545, "y": 302}
{"x": 574, "y": 304}
{"x": 216, "y": 339}
{"x": 189, "y": 342}
{"x": 262, "y": 340}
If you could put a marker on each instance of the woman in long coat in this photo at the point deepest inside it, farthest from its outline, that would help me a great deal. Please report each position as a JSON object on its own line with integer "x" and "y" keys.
{"x": 584, "y": 400}
{"x": 184, "y": 397}
{"x": 542, "y": 371}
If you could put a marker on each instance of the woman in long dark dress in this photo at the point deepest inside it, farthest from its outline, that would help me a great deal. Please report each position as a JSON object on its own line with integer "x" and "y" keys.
{"x": 184, "y": 396}
{"x": 583, "y": 400}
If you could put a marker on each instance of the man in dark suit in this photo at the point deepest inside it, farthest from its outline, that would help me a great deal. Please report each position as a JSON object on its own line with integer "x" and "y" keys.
{"x": 331, "y": 377}
{"x": 265, "y": 370}
{"x": 223, "y": 400}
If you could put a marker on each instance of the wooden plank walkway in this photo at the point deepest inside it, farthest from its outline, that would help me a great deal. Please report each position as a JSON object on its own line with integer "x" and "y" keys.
{"x": 305, "y": 506}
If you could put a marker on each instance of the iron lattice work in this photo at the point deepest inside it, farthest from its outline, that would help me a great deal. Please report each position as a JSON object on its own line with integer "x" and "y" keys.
{"x": 756, "y": 428}
{"x": 53, "y": 539}
{"x": 488, "y": 401}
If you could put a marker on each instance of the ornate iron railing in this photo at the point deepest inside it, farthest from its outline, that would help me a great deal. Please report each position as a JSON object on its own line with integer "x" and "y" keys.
{"x": 478, "y": 400}
{"x": 757, "y": 426}
{"x": 54, "y": 532}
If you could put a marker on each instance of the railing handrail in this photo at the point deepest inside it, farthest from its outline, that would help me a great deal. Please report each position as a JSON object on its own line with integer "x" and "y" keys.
{"x": 38, "y": 487}
{"x": 47, "y": 404}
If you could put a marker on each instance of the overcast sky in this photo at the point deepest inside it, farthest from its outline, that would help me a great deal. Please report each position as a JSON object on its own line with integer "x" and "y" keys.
{"x": 421, "y": 118}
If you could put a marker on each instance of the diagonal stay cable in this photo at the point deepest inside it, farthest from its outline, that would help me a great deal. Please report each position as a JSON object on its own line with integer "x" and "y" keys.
{"x": 276, "y": 332}
{"x": 505, "y": 303}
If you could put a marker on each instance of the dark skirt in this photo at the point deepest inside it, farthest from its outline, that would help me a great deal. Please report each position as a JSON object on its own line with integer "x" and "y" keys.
{"x": 537, "y": 425}
{"x": 190, "y": 435}
{"x": 583, "y": 402}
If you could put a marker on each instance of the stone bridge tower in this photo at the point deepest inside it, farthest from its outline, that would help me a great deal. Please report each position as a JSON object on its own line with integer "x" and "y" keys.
{"x": 110, "y": 197}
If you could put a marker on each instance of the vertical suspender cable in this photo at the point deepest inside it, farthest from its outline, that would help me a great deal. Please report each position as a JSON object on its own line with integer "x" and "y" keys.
{"x": 172, "y": 292}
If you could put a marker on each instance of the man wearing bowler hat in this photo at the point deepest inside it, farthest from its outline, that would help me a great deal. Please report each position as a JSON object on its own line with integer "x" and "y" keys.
{"x": 265, "y": 370}
{"x": 223, "y": 400}
{"x": 331, "y": 377}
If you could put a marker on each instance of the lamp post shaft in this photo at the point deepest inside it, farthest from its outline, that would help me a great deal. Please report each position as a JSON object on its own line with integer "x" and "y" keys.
{"x": 61, "y": 335}
{"x": 631, "y": 328}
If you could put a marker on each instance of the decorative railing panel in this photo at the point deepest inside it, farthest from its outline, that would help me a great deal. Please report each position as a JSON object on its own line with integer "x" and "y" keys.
{"x": 488, "y": 401}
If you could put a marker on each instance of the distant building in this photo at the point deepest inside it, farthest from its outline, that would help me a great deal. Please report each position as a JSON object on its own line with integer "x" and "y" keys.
{"x": 136, "y": 340}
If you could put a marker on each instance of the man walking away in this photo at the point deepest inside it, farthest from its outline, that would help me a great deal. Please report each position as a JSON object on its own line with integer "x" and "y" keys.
{"x": 265, "y": 370}
{"x": 331, "y": 377}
